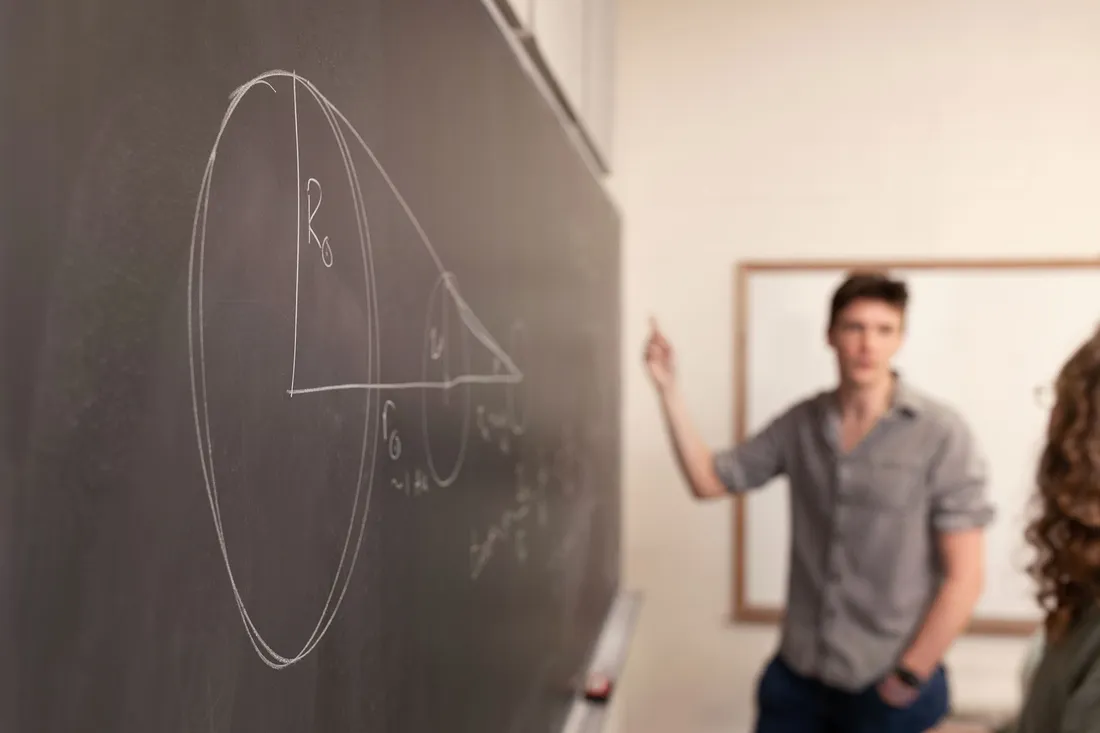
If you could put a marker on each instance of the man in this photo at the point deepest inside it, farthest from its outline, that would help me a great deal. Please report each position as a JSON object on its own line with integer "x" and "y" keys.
{"x": 888, "y": 508}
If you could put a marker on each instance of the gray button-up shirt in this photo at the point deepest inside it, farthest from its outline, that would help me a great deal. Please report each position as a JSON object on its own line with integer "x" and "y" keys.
{"x": 864, "y": 562}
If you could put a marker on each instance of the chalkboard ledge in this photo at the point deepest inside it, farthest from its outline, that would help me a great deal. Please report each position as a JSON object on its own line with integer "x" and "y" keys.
{"x": 608, "y": 660}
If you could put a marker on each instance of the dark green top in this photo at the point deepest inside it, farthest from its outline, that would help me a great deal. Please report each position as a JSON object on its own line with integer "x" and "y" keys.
{"x": 1065, "y": 692}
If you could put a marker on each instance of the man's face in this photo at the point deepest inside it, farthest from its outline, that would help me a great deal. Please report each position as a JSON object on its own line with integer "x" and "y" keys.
{"x": 865, "y": 337}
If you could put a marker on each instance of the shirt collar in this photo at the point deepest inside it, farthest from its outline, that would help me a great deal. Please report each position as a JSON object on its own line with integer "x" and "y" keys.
{"x": 906, "y": 399}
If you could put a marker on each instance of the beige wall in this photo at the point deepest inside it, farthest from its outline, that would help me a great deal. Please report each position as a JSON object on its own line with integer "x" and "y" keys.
{"x": 777, "y": 129}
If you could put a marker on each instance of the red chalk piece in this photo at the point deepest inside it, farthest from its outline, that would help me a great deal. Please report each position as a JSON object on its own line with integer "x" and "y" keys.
{"x": 598, "y": 688}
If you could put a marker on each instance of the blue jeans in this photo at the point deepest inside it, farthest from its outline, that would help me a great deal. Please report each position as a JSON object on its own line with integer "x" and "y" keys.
{"x": 790, "y": 703}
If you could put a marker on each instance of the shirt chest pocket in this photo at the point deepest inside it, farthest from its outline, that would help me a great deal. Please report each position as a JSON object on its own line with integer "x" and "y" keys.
{"x": 884, "y": 485}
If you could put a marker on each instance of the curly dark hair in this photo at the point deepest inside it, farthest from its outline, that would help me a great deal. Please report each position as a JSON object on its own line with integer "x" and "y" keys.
{"x": 1066, "y": 531}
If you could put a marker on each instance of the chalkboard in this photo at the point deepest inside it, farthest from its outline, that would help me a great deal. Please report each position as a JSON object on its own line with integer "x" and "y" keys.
{"x": 309, "y": 354}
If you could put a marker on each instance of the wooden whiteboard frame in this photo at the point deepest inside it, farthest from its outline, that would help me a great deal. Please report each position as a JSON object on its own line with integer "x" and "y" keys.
{"x": 743, "y": 610}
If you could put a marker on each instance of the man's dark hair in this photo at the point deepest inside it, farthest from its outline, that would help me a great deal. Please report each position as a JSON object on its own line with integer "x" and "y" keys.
{"x": 868, "y": 285}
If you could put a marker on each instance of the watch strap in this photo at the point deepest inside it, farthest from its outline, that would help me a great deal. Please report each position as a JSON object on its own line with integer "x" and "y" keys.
{"x": 907, "y": 676}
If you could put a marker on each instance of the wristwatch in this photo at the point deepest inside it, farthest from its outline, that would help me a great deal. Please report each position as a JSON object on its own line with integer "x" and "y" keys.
{"x": 907, "y": 676}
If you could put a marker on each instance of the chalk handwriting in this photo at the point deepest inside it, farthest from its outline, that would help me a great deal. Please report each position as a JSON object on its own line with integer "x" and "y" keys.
{"x": 531, "y": 500}
{"x": 437, "y": 343}
{"x": 393, "y": 440}
{"x": 412, "y": 484}
{"x": 503, "y": 426}
{"x": 444, "y": 352}
{"x": 322, "y": 244}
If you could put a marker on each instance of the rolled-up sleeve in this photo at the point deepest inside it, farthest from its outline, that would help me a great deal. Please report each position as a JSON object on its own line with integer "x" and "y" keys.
{"x": 755, "y": 461}
{"x": 960, "y": 482}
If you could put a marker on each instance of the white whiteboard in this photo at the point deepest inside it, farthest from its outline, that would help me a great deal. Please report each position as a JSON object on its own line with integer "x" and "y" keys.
{"x": 986, "y": 338}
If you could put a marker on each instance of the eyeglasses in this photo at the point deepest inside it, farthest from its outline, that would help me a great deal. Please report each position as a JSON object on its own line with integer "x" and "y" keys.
{"x": 1045, "y": 396}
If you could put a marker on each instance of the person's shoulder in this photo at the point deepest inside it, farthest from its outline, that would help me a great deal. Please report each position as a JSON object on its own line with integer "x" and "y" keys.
{"x": 939, "y": 414}
{"x": 1069, "y": 672}
{"x": 1083, "y": 642}
{"x": 795, "y": 416}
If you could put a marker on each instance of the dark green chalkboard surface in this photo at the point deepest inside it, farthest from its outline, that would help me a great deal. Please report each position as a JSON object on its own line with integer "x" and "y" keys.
{"x": 309, "y": 354}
